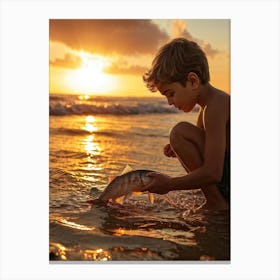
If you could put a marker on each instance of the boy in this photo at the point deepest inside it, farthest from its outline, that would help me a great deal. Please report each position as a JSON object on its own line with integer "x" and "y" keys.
{"x": 180, "y": 72}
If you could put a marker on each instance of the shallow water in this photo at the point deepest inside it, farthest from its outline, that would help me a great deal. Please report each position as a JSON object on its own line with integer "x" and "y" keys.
{"x": 85, "y": 149}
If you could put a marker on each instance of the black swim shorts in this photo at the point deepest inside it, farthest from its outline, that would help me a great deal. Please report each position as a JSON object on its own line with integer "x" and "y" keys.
{"x": 224, "y": 184}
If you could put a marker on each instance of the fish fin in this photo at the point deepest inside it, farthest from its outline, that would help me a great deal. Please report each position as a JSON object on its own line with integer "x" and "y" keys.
{"x": 151, "y": 197}
{"x": 127, "y": 196}
{"x": 111, "y": 178}
{"x": 127, "y": 169}
{"x": 119, "y": 199}
{"x": 137, "y": 192}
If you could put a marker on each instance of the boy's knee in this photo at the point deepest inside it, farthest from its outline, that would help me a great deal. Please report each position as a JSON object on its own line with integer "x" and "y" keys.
{"x": 177, "y": 133}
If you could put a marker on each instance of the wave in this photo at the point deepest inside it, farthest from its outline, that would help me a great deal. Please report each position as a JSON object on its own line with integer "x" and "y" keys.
{"x": 59, "y": 109}
{"x": 81, "y": 132}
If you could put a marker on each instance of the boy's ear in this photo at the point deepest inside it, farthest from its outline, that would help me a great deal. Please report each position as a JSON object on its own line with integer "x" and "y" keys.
{"x": 193, "y": 79}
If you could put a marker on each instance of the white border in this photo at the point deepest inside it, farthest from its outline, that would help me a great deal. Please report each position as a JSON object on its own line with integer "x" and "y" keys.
{"x": 255, "y": 138}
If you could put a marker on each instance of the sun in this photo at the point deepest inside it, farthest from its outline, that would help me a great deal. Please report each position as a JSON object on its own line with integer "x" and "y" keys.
{"x": 90, "y": 77}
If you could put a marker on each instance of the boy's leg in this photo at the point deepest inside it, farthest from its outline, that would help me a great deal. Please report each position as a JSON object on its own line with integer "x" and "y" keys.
{"x": 187, "y": 141}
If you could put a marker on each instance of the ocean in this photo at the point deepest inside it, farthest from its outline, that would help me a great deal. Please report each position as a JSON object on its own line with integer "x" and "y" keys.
{"x": 94, "y": 138}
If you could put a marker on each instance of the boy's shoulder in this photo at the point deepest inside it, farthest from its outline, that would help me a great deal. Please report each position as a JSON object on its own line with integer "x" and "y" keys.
{"x": 218, "y": 106}
{"x": 219, "y": 99}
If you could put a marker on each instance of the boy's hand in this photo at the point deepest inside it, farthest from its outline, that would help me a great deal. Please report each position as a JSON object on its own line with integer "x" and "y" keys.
{"x": 160, "y": 183}
{"x": 167, "y": 150}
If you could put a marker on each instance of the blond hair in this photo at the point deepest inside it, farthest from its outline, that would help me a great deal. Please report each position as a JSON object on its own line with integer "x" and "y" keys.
{"x": 174, "y": 61}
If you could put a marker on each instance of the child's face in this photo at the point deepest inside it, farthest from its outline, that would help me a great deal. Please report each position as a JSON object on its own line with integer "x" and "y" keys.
{"x": 183, "y": 98}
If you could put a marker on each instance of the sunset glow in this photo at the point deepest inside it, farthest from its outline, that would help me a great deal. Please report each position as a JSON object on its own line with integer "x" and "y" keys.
{"x": 86, "y": 62}
{"x": 90, "y": 77}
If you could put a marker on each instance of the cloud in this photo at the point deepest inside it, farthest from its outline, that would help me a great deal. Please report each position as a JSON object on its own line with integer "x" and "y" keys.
{"x": 180, "y": 29}
{"x": 119, "y": 40}
{"x": 209, "y": 50}
{"x": 121, "y": 66}
{"x": 125, "y": 70}
{"x": 108, "y": 37}
{"x": 69, "y": 61}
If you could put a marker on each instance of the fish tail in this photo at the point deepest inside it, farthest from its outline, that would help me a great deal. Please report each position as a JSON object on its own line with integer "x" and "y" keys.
{"x": 151, "y": 197}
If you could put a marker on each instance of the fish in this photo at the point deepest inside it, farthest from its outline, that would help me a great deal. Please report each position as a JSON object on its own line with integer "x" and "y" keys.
{"x": 123, "y": 186}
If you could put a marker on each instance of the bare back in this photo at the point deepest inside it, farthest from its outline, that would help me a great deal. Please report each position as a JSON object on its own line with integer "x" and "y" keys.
{"x": 219, "y": 102}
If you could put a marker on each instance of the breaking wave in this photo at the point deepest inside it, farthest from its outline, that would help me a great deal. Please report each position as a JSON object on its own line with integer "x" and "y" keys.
{"x": 76, "y": 105}
{"x": 112, "y": 109}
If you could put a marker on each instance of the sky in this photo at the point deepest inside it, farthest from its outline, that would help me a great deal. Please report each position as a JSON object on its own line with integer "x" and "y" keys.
{"x": 109, "y": 57}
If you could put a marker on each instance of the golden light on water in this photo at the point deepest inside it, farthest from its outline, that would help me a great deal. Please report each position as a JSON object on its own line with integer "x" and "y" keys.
{"x": 60, "y": 252}
{"x": 97, "y": 255}
{"x": 76, "y": 226}
{"x": 180, "y": 236}
{"x": 84, "y": 97}
{"x": 90, "y": 119}
{"x": 90, "y": 145}
{"x": 90, "y": 124}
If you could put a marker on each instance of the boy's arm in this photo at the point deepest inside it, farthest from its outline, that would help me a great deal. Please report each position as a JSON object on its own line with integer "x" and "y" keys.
{"x": 215, "y": 120}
